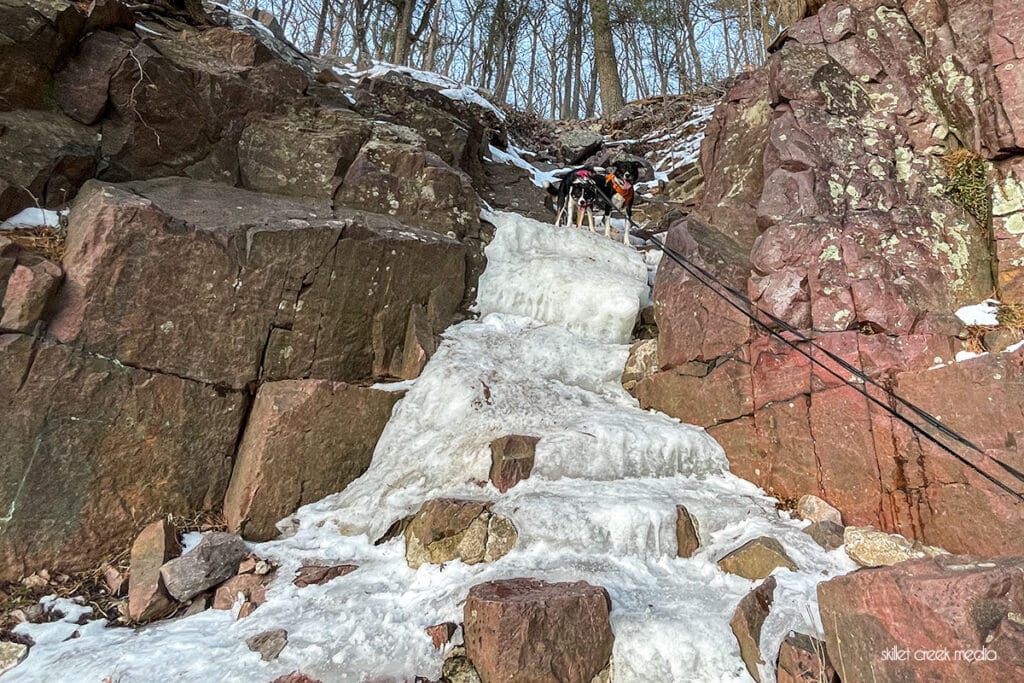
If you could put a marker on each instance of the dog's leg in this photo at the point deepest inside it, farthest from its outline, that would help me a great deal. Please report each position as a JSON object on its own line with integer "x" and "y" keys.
{"x": 627, "y": 226}
{"x": 579, "y": 218}
{"x": 590, "y": 219}
{"x": 607, "y": 223}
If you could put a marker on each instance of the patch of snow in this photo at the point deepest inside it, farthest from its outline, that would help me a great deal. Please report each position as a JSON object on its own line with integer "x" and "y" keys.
{"x": 394, "y": 386}
{"x": 33, "y": 218}
{"x": 544, "y": 359}
{"x": 983, "y": 314}
{"x": 514, "y": 156}
{"x": 448, "y": 87}
{"x": 1014, "y": 347}
{"x": 190, "y": 540}
{"x": 962, "y": 356}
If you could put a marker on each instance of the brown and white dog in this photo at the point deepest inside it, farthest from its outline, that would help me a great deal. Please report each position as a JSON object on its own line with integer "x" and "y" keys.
{"x": 615, "y": 191}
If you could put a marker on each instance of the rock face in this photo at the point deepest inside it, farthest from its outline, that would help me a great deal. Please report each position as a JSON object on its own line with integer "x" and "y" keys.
{"x": 147, "y": 597}
{"x": 305, "y": 439}
{"x": 178, "y": 297}
{"x": 446, "y": 529}
{"x": 47, "y": 156}
{"x": 214, "y": 560}
{"x": 280, "y": 266}
{"x": 757, "y": 559}
{"x": 748, "y": 621}
{"x": 832, "y": 201}
{"x": 880, "y": 624}
{"x": 529, "y": 630}
{"x": 126, "y": 442}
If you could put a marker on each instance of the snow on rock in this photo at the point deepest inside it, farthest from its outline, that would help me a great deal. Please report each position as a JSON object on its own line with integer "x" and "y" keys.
{"x": 448, "y": 87}
{"x": 32, "y": 218}
{"x": 544, "y": 359}
{"x": 983, "y": 314}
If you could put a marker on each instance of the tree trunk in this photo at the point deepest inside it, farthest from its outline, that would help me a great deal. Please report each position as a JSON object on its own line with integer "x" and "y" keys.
{"x": 403, "y": 31}
{"x": 604, "y": 59}
{"x": 321, "y": 27}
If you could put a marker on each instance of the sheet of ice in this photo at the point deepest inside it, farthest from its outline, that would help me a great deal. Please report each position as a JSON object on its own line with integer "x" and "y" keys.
{"x": 983, "y": 314}
{"x": 599, "y": 506}
{"x": 581, "y": 281}
{"x": 32, "y": 218}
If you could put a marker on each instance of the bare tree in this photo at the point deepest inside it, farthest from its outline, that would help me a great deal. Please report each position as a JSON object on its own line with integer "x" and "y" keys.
{"x": 612, "y": 100}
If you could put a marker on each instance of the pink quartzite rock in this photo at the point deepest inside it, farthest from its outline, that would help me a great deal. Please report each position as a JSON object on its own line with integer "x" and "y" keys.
{"x": 29, "y": 289}
{"x": 511, "y": 460}
{"x": 304, "y": 439}
{"x": 747, "y": 622}
{"x": 881, "y": 624}
{"x": 147, "y": 597}
{"x": 521, "y": 630}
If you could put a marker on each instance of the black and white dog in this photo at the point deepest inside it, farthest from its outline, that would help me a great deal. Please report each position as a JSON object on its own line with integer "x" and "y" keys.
{"x": 575, "y": 196}
{"x": 583, "y": 189}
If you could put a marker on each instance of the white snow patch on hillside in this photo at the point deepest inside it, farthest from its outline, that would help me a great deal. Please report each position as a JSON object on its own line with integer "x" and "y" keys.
{"x": 545, "y": 359}
{"x": 983, "y": 314}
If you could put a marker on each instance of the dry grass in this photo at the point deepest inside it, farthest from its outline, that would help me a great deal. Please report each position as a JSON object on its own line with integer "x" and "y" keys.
{"x": 50, "y": 243}
{"x": 968, "y": 183}
{"x": 1011, "y": 316}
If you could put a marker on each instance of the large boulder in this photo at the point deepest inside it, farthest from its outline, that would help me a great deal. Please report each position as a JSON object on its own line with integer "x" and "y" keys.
{"x": 530, "y": 630}
{"x": 179, "y": 103}
{"x": 270, "y": 270}
{"x": 304, "y": 439}
{"x": 456, "y": 129}
{"x": 393, "y": 174}
{"x": 946, "y": 618}
{"x": 304, "y": 152}
{"x": 129, "y": 445}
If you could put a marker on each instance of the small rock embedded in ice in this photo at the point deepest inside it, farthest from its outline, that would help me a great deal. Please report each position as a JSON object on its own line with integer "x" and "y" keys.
{"x": 828, "y": 535}
{"x": 512, "y": 460}
{"x": 11, "y": 655}
{"x": 757, "y": 559}
{"x": 214, "y": 560}
{"x": 687, "y": 532}
{"x": 269, "y": 643}
{"x": 315, "y": 575}
{"x": 747, "y": 622}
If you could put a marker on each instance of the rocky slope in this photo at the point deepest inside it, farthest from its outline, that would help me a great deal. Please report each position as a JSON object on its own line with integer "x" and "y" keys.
{"x": 235, "y": 230}
{"x": 839, "y": 196}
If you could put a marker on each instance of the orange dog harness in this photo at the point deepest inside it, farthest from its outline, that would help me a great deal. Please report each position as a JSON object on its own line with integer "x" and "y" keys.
{"x": 624, "y": 190}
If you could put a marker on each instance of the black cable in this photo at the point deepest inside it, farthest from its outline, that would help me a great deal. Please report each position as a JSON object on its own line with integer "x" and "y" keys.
{"x": 699, "y": 274}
